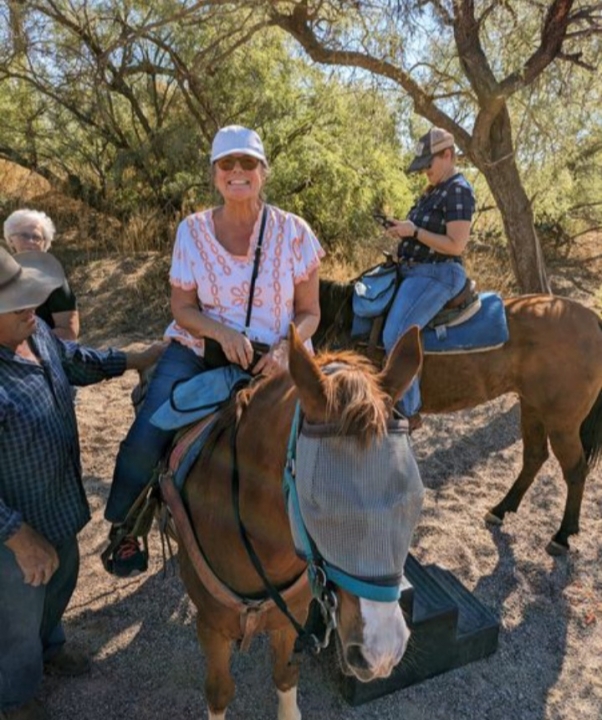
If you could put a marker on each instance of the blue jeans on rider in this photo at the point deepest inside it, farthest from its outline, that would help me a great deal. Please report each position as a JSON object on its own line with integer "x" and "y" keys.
{"x": 145, "y": 444}
{"x": 425, "y": 288}
{"x": 30, "y": 622}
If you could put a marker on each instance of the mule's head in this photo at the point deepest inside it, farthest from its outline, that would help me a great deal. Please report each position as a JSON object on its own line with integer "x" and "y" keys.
{"x": 359, "y": 493}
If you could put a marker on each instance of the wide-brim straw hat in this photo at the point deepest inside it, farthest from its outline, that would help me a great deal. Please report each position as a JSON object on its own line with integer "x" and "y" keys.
{"x": 27, "y": 279}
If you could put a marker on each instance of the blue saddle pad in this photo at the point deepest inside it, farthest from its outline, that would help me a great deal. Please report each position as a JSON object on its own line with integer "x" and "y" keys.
{"x": 486, "y": 330}
{"x": 198, "y": 397}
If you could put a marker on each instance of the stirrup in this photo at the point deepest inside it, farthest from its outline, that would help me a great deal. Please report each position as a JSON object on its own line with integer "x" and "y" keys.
{"x": 138, "y": 521}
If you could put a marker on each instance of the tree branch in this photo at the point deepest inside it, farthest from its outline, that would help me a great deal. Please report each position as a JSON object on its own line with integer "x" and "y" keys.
{"x": 553, "y": 34}
{"x": 299, "y": 24}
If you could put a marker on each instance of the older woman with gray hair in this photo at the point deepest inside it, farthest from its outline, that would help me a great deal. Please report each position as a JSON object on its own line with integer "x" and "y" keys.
{"x": 31, "y": 230}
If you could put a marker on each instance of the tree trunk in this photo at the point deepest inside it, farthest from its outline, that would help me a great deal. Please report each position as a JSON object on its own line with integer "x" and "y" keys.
{"x": 492, "y": 151}
{"x": 525, "y": 250}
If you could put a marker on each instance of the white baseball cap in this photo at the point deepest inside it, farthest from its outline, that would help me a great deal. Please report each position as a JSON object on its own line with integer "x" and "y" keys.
{"x": 237, "y": 139}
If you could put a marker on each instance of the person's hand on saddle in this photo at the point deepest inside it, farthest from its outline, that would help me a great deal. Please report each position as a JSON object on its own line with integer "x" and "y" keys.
{"x": 141, "y": 360}
{"x": 236, "y": 346}
{"x": 401, "y": 228}
{"x": 274, "y": 360}
{"x": 36, "y": 557}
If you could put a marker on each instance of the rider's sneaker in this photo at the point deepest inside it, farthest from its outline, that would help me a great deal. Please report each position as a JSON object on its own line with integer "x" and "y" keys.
{"x": 128, "y": 558}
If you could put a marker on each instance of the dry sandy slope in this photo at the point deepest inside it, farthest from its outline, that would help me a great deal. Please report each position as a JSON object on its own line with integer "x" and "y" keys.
{"x": 147, "y": 665}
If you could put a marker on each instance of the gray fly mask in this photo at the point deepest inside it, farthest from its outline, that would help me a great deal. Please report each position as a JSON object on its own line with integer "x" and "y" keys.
{"x": 358, "y": 505}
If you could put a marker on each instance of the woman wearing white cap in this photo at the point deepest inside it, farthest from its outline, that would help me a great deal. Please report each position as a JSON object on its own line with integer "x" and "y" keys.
{"x": 433, "y": 239}
{"x": 240, "y": 274}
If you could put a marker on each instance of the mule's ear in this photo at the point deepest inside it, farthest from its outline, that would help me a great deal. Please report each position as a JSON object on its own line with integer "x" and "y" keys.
{"x": 308, "y": 378}
{"x": 403, "y": 363}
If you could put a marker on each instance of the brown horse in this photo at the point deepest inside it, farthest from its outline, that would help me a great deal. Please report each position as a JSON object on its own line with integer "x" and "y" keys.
{"x": 355, "y": 403}
{"x": 552, "y": 361}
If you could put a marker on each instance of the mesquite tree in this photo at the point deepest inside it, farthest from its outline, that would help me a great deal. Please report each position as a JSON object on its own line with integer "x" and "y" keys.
{"x": 488, "y": 51}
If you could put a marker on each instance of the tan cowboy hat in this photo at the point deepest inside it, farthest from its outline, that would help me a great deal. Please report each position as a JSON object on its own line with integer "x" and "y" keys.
{"x": 27, "y": 279}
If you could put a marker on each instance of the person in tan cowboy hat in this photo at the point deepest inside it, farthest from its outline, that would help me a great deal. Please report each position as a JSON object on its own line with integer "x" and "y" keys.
{"x": 42, "y": 500}
{"x": 432, "y": 240}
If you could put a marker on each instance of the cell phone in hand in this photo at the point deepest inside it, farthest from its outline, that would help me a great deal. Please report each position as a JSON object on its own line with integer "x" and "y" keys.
{"x": 383, "y": 220}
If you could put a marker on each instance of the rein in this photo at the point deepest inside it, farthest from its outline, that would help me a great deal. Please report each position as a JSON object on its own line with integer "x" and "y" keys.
{"x": 325, "y": 596}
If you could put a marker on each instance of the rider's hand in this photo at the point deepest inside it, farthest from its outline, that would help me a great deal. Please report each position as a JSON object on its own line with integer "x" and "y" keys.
{"x": 36, "y": 557}
{"x": 236, "y": 346}
{"x": 401, "y": 229}
{"x": 274, "y": 360}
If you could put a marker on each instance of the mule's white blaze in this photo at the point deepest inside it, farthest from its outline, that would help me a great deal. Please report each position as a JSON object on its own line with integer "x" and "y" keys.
{"x": 287, "y": 705}
{"x": 217, "y": 716}
{"x": 386, "y": 635}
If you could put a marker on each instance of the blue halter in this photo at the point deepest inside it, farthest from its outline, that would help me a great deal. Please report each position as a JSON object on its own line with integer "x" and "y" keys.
{"x": 318, "y": 568}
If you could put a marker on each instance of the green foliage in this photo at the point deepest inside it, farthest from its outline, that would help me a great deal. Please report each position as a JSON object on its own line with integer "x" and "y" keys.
{"x": 345, "y": 167}
{"x": 130, "y": 129}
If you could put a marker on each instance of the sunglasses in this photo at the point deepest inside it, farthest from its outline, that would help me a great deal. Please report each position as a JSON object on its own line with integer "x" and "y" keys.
{"x": 246, "y": 162}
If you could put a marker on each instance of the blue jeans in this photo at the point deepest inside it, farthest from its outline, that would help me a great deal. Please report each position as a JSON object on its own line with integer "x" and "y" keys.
{"x": 425, "y": 288}
{"x": 145, "y": 444}
{"x": 31, "y": 631}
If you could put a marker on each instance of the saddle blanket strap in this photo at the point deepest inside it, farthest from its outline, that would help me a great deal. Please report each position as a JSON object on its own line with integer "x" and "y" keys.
{"x": 187, "y": 447}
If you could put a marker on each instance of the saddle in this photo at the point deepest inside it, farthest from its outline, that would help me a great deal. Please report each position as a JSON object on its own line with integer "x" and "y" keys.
{"x": 455, "y": 312}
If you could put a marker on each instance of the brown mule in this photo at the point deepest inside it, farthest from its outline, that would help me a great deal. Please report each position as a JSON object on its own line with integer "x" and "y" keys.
{"x": 552, "y": 361}
{"x": 357, "y": 401}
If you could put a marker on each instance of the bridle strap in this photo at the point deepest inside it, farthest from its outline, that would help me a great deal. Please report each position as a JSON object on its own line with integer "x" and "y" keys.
{"x": 308, "y": 641}
{"x": 322, "y": 574}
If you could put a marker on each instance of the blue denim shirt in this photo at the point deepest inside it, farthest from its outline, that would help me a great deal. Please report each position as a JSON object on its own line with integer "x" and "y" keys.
{"x": 40, "y": 471}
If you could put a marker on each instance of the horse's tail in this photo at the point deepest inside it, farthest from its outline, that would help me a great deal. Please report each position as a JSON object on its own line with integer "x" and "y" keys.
{"x": 591, "y": 434}
{"x": 591, "y": 431}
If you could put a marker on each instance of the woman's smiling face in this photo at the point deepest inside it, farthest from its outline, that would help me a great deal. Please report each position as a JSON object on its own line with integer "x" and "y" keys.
{"x": 236, "y": 179}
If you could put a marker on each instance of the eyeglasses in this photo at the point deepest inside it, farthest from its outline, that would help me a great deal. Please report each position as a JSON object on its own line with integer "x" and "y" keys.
{"x": 34, "y": 237}
{"x": 246, "y": 162}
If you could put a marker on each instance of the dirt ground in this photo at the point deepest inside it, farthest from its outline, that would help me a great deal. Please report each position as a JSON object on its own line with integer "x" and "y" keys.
{"x": 140, "y": 632}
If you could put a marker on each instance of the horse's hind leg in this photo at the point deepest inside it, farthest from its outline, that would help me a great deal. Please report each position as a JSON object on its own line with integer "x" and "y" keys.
{"x": 285, "y": 673}
{"x": 535, "y": 453}
{"x": 569, "y": 451}
{"x": 219, "y": 685}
